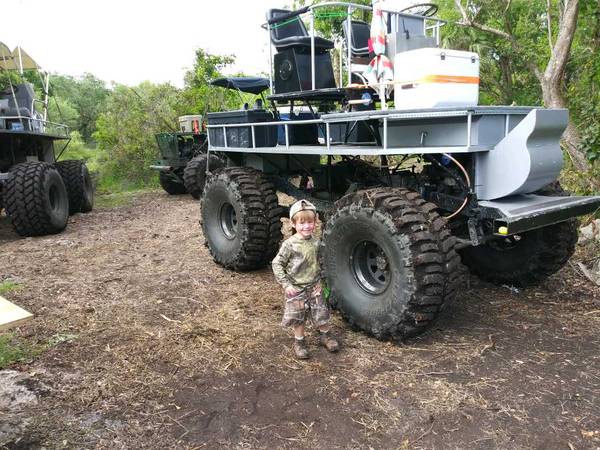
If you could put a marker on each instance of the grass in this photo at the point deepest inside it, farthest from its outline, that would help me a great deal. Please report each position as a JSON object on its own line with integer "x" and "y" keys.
{"x": 114, "y": 199}
{"x": 12, "y": 350}
{"x": 8, "y": 286}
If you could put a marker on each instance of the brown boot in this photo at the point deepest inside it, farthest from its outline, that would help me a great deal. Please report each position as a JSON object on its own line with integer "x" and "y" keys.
{"x": 300, "y": 348}
{"x": 328, "y": 342}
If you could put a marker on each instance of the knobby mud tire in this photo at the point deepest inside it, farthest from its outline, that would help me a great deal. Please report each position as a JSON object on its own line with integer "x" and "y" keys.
{"x": 423, "y": 267}
{"x": 531, "y": 260}
{"x": 194, "y": 174}
{"x": 527, "y": 262}
{"x": 240, "y": 218}
{"x": 36, "y": 199}
{"x": 171, "y": 186}
{"x": 78, "y": 182}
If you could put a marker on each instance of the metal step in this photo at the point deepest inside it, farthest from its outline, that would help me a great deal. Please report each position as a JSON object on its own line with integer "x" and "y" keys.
{"x": 519, "y": 213}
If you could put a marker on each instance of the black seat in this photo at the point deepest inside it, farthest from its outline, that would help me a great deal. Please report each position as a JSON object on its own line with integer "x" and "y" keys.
{"x": 361, "y": 32}
{"x": 24, "y": 95}
{"x": 291, "y": 33}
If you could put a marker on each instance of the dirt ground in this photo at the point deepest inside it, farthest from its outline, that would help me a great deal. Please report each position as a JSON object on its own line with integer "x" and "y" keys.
{"x": 155, "y": 346}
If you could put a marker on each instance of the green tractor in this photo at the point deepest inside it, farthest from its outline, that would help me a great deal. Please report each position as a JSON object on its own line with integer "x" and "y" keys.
{"x": 183, "y": 160}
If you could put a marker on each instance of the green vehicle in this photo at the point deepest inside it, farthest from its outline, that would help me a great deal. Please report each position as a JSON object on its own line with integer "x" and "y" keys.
{"x": 183, "y": 160}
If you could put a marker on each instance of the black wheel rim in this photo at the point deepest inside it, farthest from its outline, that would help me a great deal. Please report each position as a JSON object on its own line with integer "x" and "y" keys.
{"x": 228, "y": 220}
{"x": 370, "y": 267}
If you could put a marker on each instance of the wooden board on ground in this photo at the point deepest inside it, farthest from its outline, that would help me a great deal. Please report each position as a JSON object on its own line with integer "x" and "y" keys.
{"x": 12, "y": 315}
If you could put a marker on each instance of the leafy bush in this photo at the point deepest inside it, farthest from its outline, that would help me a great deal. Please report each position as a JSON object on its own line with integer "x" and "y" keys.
{"x": 125, "y": 133}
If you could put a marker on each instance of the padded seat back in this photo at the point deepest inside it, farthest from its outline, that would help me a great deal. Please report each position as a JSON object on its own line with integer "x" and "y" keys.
{"x": 24, "y": 95}
{"x": 360, "y": 34}
{"x": 291, "y": 33}
{"x": 293, "y": 27}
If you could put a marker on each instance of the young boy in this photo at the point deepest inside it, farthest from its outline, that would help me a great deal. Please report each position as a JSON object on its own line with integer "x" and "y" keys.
{"x": 296, "y": 268}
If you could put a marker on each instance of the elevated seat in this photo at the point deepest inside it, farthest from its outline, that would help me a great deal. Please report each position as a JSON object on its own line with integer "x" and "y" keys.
{"x": 359, "y": 48}
{"x": 291, "y": 33}
{"x": 24, "y": 96}
{"x": 359, "y": 36}
{"x": 293, "y": 61}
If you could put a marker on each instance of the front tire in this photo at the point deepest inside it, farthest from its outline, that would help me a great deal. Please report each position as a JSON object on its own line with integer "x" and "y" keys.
{"x": 389, "y": 261}
{"x": 36, "y": 199}
{"x": 241, "y": 218}
{"x": 170, "y": 184}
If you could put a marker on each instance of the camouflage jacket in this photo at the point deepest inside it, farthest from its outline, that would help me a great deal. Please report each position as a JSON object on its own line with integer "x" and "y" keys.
{"x": 297, "y": 263}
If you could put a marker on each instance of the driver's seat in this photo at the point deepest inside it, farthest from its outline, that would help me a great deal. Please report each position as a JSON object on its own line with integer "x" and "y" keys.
{"x": 291, "y": 33}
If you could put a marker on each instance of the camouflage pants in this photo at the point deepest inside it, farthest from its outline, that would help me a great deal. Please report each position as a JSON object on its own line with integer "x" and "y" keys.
{"x": 303, "y": 303}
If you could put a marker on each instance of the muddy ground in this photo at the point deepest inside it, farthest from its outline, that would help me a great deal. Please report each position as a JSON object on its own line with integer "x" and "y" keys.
{"x": 152, "y": 345}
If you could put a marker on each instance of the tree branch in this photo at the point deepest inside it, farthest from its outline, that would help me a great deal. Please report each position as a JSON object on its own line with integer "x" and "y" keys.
{"x": 466, "y": 21}
{"x": 469, "y": 22}
{"x": 549, "y": 22}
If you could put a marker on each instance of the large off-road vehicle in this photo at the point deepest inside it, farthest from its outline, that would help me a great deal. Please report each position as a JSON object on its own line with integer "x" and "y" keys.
{"x": 183, "y": 158}
{"x": 181, "y": 168}
{"x": 406, "y": 192}
{"x": 37, "y": 191}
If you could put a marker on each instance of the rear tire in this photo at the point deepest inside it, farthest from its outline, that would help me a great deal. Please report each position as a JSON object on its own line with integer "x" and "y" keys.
{"x": 529, "y": 258}
{"x": 194, "y": 174}
{"x": 241, "y": 218}
{"x": 389, "y": 261}
{"x": 523, "y": 260}
{"x": 78, "y": 182}
{"x": 170, "y": 184}
{"x": 36, "y": 199}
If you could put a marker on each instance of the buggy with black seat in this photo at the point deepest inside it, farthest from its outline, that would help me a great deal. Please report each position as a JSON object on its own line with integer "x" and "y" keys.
{"x": 183, "y": 158}
{"x": 408, "y": 173}
{"x": 37, "y": 191}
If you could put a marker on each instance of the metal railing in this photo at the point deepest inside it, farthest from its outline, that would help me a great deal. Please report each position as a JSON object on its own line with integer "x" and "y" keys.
{"x": 383, "y": 117}
{"x": 24, "y": 124}
{"x": 434, "y": 29}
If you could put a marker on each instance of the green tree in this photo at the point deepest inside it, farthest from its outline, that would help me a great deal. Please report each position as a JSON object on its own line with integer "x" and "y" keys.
{"x": 87, "y": 95}
{"x": 583, "y": 79}
{"x": 527, "y": 49}
{"x": 125, "y": 130}
{"x": 199, "y": 96}
{"x": 60, "y": 110}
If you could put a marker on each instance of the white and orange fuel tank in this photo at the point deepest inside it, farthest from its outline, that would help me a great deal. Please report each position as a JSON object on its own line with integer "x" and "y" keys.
{"x": 434, "y": 77}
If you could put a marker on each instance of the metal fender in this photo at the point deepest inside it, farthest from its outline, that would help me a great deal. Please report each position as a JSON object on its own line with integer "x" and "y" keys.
{"x": 526, "y": 159}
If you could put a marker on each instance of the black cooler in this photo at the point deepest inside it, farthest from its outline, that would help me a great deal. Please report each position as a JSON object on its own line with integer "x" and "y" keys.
{"x": 266, "y": 136}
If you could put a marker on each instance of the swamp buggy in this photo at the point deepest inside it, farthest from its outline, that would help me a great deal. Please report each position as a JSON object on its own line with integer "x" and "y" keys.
{"x": 183, "y": 158}
{"x": 37, "y": 191}
{"x": 408, "y": 194}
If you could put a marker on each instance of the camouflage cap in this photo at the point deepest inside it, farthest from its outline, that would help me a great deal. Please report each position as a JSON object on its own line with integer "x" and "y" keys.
{"x": 301, "y": 205}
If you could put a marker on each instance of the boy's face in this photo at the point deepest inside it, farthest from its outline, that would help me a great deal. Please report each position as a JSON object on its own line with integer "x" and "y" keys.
{"x": 304, "y": 224}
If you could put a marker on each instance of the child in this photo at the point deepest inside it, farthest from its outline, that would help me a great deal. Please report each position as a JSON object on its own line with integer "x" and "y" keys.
{"x": 296, "y": 268}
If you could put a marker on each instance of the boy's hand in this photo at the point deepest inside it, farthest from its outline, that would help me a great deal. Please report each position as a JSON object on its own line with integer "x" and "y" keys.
{"x": 290, "y": 291}
{"x": 317, "y": 289}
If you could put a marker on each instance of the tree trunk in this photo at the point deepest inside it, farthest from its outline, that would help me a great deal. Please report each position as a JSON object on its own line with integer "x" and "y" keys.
{"x": 551, "y": 81}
